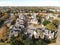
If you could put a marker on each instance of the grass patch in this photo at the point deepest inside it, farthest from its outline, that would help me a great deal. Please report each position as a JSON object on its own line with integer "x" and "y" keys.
{"x": 4, "y": 43}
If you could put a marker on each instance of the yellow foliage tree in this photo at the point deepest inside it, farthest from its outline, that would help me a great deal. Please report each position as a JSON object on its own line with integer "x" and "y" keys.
{"x": 51, "y": 26}
{"x": 55, "y": 21}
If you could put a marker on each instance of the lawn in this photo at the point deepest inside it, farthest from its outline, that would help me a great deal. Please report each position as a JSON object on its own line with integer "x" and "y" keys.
{"x": 4, "y": 44}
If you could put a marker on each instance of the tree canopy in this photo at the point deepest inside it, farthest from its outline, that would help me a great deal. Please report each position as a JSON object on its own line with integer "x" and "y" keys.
{"x": 4, "y": 33}
{"x": 45, "y": 22}
{"x": 51, "y": 26}
{"x": 55, "y": 22}
{"x": 38, "y": 18}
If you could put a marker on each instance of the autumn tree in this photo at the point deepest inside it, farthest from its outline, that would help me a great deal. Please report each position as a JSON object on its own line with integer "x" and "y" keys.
{"x": 55, "y": 22}
{"x": 6, "y": 15}
{"x": 51, "y": 26}
{"x": 4, "y": 33}
{"x": 15, "y": 17}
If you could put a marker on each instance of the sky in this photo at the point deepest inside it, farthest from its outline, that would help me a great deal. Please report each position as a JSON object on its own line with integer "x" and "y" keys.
{"x": 30, "y": 3}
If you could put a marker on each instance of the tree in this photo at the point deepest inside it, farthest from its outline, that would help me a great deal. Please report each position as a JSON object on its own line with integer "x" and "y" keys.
{"x": 6, "y": 15}
{"x": 26, "y": 42}
{"x": 41, "y": 42}
{"x": 16, "y": 41}
{"x": 29, "y": 15}
{"x": 51, "y": 26}
{"x": 4, "y": 33}
{"x": 55, "y": 22}
{"x": 38, "y": 18}
{"x": 1, "y": 23}
{"x": 15, "y": 17}
{"x": 45, "y": 22}
{"x": 20, "y": 41}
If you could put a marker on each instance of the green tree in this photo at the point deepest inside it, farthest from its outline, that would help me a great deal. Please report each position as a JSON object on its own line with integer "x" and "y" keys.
{"x": 26, "y": 42}
{"x": 15, "y": 41}
{"x": 38, "y": 18}
{"x": 46, "y": 22}
{"x": 1, "y": 23}
{"x": 12, "y": 40}
{"x": 41, "y": 42}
